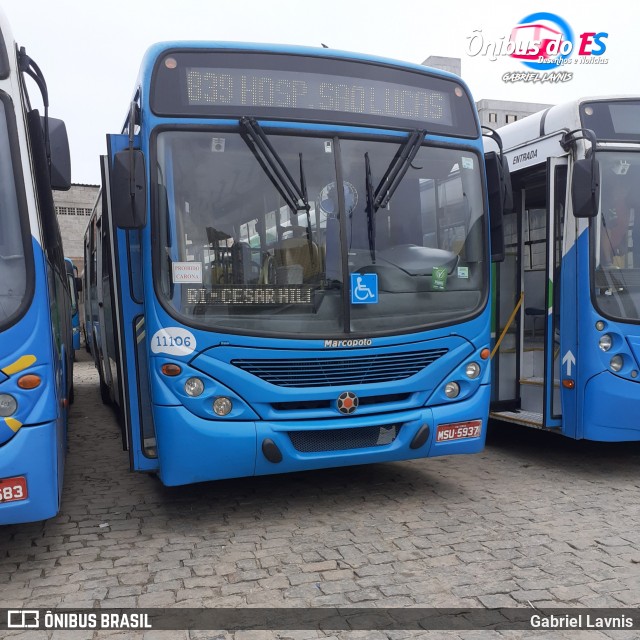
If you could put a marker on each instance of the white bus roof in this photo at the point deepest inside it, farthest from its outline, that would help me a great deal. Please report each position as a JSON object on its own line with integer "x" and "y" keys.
{"x": 535, "y": 138}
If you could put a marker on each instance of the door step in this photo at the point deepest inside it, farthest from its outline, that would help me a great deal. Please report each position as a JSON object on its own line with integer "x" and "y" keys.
{"x": 526, "y": 418}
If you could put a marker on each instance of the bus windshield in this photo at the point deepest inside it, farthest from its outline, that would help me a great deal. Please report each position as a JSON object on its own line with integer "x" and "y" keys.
{"x": 616, "y": 242}
{"x": 13, "y": 275}
{"x": 237, "y": 252}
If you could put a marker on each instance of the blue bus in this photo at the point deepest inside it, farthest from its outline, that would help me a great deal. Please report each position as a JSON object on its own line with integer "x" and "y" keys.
{"x": 73, "y": 281}
{"x": 570, "y": 358}
{"x": 290, "y": 263}
{"x": 36, "y": 356}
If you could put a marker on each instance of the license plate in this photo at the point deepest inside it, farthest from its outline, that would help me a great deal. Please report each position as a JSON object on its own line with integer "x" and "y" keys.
{"x": 13, "y": 489}
{"x": 458, "y": 430}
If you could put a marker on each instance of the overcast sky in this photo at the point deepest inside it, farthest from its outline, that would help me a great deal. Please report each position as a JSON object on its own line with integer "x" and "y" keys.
{"x": 90, "y": 51}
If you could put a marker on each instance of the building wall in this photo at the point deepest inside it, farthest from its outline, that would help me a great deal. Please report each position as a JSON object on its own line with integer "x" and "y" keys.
{"x": 73, "y": 209}
{"x": 497, "y": 113}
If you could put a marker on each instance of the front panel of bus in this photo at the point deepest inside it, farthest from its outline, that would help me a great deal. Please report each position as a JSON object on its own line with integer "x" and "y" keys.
{"x": 610, "y": 331}
{"x": 294, "y": 317}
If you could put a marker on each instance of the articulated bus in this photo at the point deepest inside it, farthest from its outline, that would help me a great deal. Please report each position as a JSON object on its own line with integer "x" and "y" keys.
{"x": 289, "y": 263}
{"x": 569, "y": 360}
{"x": 72, "y": 281}
{"x": 35, "y": 322}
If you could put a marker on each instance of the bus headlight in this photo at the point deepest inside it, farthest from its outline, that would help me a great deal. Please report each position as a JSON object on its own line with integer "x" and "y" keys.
{"x": 472, "y": 370}
{"x": 222, "y": 406}
{"x": 452, "y": 389}
{"x": 616, "y": 363}
{"x": 194, "y": 387}
{"x": 8, "y": 405}
{"x": 605, "y": 342}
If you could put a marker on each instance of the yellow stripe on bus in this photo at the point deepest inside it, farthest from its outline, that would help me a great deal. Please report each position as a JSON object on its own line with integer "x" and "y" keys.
{"x": 19, "y": 365}
{"x": 13, "y": 424}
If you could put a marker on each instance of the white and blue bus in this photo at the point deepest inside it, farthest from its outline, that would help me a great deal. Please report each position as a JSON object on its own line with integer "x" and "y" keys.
{"x": 289, "y": 263}
{"x": 570, "y": 360}
{"x": 36, "y": 353}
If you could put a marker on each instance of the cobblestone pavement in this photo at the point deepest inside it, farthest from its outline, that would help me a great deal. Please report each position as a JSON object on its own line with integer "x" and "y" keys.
{"x": 533, "y": 521}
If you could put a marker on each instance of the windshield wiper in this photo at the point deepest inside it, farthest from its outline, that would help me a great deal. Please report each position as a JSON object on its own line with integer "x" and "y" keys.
{"x": 272, "y": 164}
{"x": 392, "y": 178}
{"x": 371, "y": 210}
{"x": 397, "y": 169}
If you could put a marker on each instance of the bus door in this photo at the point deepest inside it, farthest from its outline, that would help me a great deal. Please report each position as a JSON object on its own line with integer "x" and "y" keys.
{"x": 527, "y": 364}
{"x": 556, "y": 221}
{"x": 129, "y": 329}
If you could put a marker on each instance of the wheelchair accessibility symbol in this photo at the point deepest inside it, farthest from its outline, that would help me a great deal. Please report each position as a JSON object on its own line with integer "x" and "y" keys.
{"x": 364, "y": 288}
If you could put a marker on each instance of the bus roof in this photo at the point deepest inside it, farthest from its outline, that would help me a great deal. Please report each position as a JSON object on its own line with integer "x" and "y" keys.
{"x": 530, "y": 141}
{"x": 559, "y": 118}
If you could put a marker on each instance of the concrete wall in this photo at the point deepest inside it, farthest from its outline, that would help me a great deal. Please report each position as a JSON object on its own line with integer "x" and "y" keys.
{"x": 497, "y": 113}
{"x": 73, "y": 209}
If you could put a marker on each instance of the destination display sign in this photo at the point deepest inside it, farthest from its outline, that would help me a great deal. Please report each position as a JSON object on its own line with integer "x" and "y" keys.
{"x": 278, "y": 85}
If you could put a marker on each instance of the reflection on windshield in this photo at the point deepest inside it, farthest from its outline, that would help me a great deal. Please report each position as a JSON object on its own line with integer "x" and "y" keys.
{"x": 12, "y": 261}
{"x": 238, "y": 254}
{"x": 617, "y": 237}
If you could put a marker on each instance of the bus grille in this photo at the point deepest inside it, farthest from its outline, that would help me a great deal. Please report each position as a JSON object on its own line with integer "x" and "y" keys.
{"x": 342, "y": 439}
{"x": 332, "y": 372}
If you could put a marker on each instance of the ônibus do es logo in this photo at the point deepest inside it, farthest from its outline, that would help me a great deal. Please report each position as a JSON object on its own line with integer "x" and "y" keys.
{"x": 543, "y": 42}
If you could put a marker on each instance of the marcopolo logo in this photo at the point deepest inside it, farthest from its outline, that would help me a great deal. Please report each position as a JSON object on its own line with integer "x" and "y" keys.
{"x": 542, "y": 41}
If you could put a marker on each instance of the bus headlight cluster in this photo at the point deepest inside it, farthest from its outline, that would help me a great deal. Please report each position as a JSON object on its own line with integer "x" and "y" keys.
{"x": 194, "y": 387}
{"x": 452, "y": 389}
{"x": 616, "y": 363}
{"x": 472, "y": 370}
{"x": 222, "y": 406}
{"x": 8, "y": 405}
{"x": 605, "y": 342}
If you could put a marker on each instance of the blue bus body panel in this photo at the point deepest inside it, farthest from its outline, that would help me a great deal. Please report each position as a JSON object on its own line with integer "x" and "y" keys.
{"x": 131, "y": 311}
{"x": 611, "y": 406}
{"x": 569, "y": 317}
{"x": 33, "y": 440}
{"x": 37, "y": 454}
{"x": 194, "y": 445}
{"x": 195, "y": 450}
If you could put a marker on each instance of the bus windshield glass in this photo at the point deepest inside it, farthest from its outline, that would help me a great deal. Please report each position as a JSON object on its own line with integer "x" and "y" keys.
{"x": 616, "y": 241}
{"x": 13, "y": 275}
{"x": 237, "y": 252}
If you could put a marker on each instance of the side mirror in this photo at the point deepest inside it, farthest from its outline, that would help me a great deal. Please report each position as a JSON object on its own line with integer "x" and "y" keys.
{"x": 128, "y": 189}
{"x": 500, "y": 197}
{"x": 585, "y": 188}
{"x": 78, "y": 284}
{"x": 60, "y": 157}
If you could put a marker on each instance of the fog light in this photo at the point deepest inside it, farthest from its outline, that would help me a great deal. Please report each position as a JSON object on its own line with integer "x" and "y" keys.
{"x": 599, "y": 325}
{"x": 616, "y": 363}
{"x": 222, "y": 406}
{"x": 193, "y": 387}
{"x": 472, "y": 370}
{"x": 605, "y": 342}
{"x": 8, "y": 405}
{"x": 451, "y": 389}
